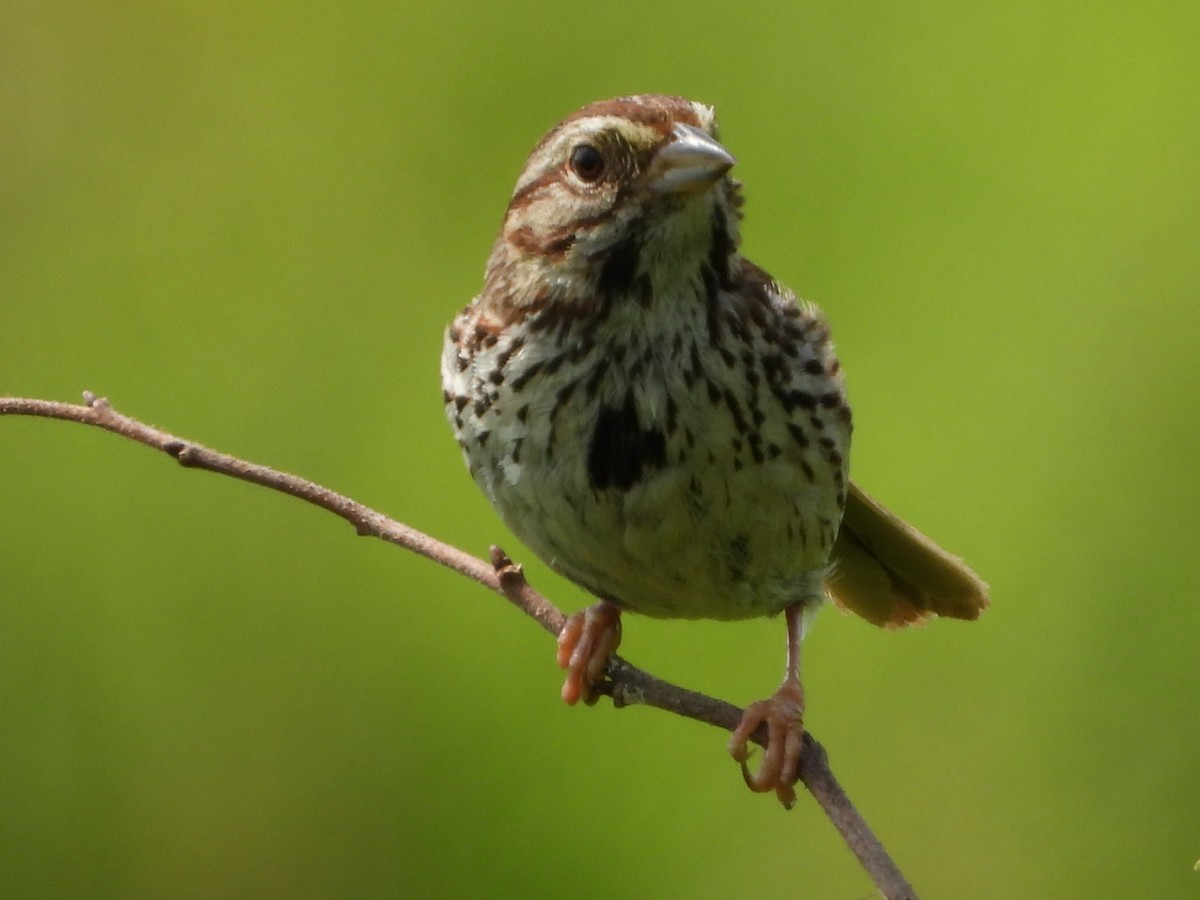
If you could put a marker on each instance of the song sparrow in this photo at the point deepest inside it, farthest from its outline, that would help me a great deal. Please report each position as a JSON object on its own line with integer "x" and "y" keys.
{"x": 663, "y": 423}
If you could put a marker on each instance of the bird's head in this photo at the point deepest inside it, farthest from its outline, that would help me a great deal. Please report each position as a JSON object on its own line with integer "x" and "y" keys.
{"x": 616, "y": 195}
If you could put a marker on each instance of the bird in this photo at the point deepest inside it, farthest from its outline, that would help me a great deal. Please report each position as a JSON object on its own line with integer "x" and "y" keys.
{"x": 662, "y": 422}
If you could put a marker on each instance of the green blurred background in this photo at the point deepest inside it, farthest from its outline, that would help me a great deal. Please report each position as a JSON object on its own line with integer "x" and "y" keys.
{"x": 249, "y": 223}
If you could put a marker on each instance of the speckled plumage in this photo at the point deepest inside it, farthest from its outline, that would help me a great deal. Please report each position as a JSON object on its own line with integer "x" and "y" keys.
{"x": 674, "y": 438}
{"x": 663, "y": 423}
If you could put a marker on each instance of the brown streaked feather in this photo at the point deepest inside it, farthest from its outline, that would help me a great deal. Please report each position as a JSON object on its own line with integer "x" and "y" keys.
{"x": 892, "y": 575}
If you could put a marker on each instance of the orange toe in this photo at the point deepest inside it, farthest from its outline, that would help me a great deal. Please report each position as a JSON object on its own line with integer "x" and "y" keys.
{"x": 783, "y": 713}
{"x": 587, "y": 640}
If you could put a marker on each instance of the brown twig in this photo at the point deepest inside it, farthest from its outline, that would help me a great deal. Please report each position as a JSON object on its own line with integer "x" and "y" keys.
{"x": 626, "y": 683}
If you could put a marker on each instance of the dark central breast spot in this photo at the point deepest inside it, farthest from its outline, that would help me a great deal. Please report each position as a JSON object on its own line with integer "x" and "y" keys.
{"x": 622, "y": 452}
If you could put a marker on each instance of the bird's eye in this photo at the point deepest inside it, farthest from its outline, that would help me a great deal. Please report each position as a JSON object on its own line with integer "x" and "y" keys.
{"x": 587, "y": 162}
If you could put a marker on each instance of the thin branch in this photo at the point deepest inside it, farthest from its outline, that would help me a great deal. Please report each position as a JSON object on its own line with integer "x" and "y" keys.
{"x": 626, "y": 684}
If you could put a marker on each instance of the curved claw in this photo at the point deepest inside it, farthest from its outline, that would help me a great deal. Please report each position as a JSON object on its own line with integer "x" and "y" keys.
{"x": 783, "y": 713}
{"x": 587, "y": 640}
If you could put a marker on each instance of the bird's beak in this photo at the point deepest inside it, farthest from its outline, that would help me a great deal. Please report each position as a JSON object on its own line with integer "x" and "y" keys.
{"x": 690, "y": 161}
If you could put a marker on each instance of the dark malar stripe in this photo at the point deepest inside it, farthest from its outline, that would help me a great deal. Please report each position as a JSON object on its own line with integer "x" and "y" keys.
{"x": 721, "y": 249}
{"x": 619, "y": 271}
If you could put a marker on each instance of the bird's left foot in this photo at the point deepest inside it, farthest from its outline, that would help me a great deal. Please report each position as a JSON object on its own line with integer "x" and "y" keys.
{"x": 585, "y": 643}
{"x": 783, "y": 713}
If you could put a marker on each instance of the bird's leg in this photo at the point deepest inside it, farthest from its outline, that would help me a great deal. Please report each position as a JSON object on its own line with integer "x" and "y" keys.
{"x": 587, "y": 640}
{"x": 783, "y": 712}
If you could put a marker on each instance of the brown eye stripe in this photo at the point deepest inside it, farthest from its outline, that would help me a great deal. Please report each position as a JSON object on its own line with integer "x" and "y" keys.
{"x": 521, "y": 198}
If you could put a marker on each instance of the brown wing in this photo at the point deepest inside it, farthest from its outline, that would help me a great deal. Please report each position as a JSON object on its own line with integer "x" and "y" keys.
{"x": 891, "y": 574}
